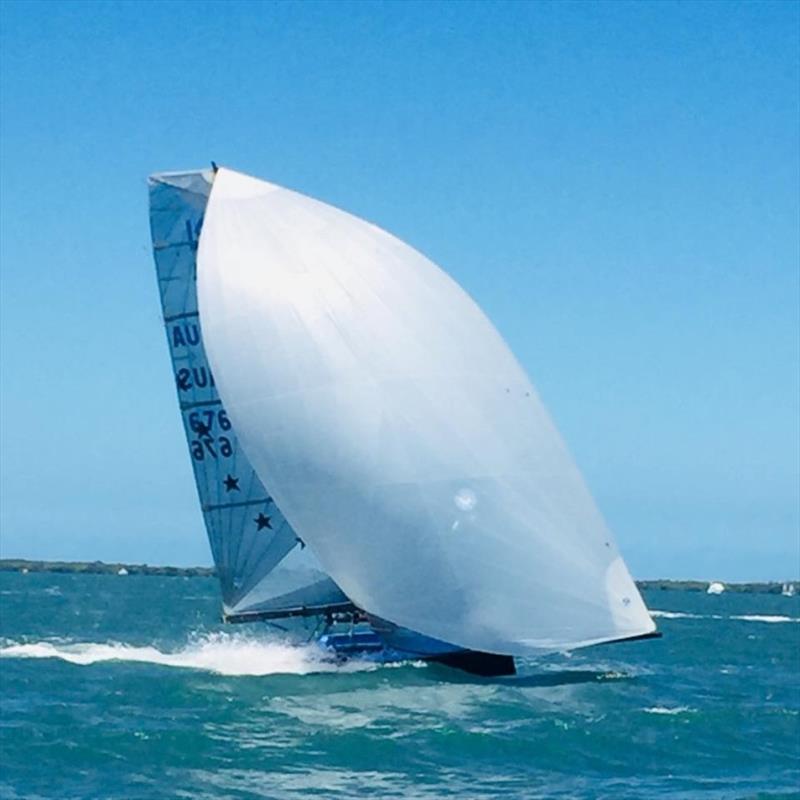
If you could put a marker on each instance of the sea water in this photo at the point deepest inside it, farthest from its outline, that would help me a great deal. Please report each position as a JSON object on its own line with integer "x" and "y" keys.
{"x": 128, "y": 687}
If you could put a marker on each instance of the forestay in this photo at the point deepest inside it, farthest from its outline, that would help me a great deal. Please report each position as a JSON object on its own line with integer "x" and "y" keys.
{"x": 249, "y": 536}
{"x": 397, "y": 432}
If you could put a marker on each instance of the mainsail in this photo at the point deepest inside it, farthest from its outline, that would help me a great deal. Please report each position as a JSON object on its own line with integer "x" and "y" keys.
{"x": 264, "y": 568}
{"x": 397, "y": 432}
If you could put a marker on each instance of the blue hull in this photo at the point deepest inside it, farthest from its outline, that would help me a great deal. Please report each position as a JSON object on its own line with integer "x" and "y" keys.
{"x": 384, "y": 643}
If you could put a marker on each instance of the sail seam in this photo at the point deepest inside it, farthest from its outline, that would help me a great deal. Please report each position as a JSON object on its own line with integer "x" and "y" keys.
{"x": 159, "y": 246}
{"x": 200, "y": 404}
{"x": 216, "y": 506}
{"x": 185, "y": 315}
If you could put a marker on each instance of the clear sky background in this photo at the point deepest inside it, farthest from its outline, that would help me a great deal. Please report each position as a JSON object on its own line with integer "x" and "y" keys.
{"x": 616, "y": 184}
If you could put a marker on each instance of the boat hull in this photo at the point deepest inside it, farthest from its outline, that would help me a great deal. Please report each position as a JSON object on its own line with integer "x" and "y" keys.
{"x": 385, "y": 643}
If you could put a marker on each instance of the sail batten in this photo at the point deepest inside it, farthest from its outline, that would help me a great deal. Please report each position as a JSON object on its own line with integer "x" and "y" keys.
{"x": 397, "y": 432}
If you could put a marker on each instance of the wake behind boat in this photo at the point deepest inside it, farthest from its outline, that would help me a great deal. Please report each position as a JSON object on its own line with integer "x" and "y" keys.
{"x": 370, "y": 458}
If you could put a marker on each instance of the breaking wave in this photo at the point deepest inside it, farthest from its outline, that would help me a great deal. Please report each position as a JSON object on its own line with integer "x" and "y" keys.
{"x": 221, "y": 653}
{"x": 669, "y": 711}
{"x": 741, "y": 617}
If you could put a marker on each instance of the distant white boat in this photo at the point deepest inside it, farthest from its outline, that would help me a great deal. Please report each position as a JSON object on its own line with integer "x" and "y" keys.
{"x": 122, "y": 571}
{"x": 788, "y": 590}
{"x": 715, "y": 587}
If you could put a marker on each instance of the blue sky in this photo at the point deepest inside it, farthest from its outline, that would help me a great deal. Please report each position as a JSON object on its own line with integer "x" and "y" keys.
{"x": 615, "y": 183}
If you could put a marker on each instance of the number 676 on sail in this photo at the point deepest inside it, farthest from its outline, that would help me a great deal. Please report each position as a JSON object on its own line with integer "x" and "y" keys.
{"x": 206, "y": 444}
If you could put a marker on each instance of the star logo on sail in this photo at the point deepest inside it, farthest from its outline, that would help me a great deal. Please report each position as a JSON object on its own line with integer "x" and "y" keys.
{"x": 231, "y": 484}
{"x": 263, "y": 521}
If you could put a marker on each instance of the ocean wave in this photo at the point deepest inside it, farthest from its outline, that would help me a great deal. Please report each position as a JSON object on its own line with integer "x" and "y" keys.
{"x": 670, "y": 711}
{"x": 673, "y": 614}
{"x": 220, "y": 653}
{"x": 740, "y": 617}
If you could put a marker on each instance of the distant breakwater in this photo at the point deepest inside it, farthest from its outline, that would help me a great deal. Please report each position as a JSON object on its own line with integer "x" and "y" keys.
{"x": 118, "y": 568}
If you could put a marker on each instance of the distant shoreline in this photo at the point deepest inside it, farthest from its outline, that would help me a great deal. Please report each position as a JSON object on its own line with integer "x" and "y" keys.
{"x": 117, "y": 568}
{"x": 102, "y": 568}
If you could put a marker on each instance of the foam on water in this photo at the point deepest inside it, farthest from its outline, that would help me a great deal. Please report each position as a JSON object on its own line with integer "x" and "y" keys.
{"x": 224, "y": 654}
{"x": 669, "y": 711}
{"x": 741, "y": 617}
{"x": 673, "y": 614}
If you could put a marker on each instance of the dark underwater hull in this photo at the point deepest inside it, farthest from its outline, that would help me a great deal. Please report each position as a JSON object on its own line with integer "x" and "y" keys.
{"x": 486, "y": 665}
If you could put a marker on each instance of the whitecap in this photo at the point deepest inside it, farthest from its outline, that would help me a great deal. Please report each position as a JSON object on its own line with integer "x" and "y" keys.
{"x": 670, "y": 711}
{"x": 741, "y": 617}
{"x": 673, "y": 614}
{"x": 224, "y": 654}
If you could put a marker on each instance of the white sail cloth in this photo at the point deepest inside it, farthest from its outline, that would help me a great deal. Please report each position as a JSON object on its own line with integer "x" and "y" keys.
{"x": 398, "y": 434}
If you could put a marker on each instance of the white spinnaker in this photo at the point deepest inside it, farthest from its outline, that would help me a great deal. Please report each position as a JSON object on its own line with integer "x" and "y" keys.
{"x": 397, "y": 432}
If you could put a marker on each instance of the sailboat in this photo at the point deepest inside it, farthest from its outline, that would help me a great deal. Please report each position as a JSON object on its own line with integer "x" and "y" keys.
{"x": 370, "y": 458}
